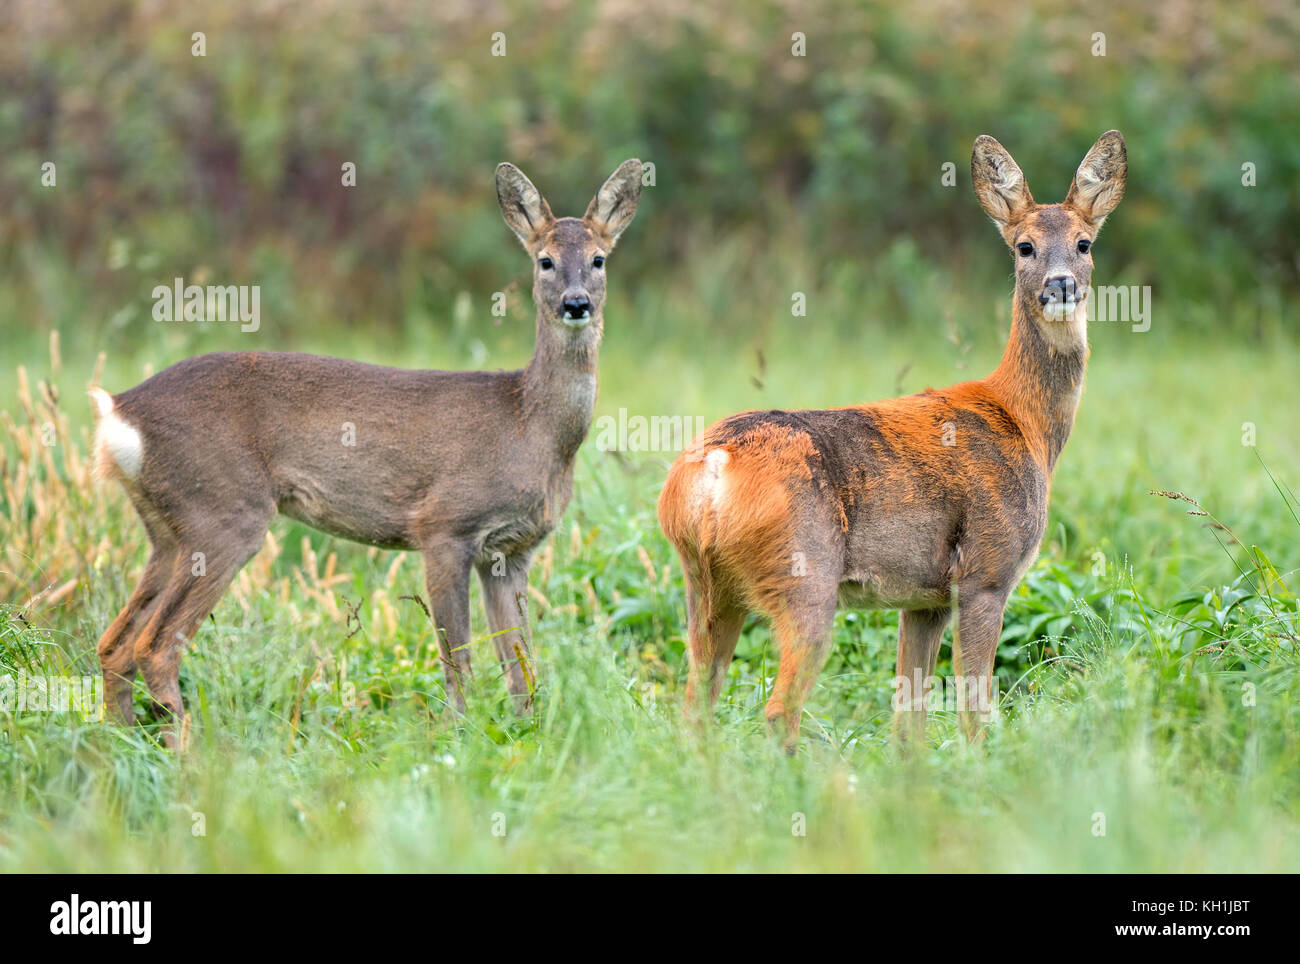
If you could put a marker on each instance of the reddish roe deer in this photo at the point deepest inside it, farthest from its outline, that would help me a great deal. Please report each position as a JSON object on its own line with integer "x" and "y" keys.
{"x": 900, "y": 503}
{"x": 471, "y": 469}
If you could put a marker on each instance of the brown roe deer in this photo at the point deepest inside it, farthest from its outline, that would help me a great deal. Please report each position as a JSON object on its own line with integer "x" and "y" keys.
{"x": 900, "y": 503}
{"x": 471, "y": 469}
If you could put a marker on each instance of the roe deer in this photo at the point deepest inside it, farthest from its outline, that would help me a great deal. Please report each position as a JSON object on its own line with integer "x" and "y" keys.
{"x": 899, "y": 503}
{"x": 472, "y": 469}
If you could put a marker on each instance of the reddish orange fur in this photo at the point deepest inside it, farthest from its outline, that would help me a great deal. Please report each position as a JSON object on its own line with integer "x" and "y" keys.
{"x": 732, "y": 544}
{"x": 897, "y": 502}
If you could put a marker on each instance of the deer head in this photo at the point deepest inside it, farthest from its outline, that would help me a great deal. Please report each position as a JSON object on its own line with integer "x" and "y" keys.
{"x": 569, "y": 253}
{"x": 1052, "y": 242}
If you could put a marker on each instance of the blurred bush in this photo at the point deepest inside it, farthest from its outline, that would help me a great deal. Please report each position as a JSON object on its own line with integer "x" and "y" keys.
{"x": 229, "y": 165}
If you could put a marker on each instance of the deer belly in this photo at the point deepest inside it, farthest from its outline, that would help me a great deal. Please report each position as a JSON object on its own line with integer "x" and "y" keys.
{"x": 876, "y": 591}
{"x": 354, "y": 513}
{"x": 898, "y": 561}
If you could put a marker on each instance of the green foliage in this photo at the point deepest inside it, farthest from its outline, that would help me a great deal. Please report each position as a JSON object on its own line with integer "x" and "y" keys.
{"x": 339, "y": 756}
{"x": 229, "y": 165}
{"x": 1147, "y": 666}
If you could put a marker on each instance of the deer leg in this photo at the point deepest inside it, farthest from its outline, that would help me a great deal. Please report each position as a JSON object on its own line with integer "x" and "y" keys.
{"x": 803, "y": 630}
{"x": 116, "y": 659}
{"x": 198, "y": 579}
{"x": 154, "y": 656}
{"x": 979, "y": 626}
{"x": 446, "y": 570}
{"x": 505, "y": 597}
{"x": 712, "y": 629}
{"x": 920, "y": 633}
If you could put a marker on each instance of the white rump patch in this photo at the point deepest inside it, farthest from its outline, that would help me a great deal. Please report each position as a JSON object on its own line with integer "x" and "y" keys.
{"x": 115, "y": 440}
{"x": 711, "y": 481}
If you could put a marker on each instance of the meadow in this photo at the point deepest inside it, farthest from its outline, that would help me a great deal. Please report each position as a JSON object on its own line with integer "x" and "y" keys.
{"x": 1148, "y": 665}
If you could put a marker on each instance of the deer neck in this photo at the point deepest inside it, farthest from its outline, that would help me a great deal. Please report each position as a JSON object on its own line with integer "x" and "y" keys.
{"x": 558, "y": 386}
{"x": 1040, "y": 379}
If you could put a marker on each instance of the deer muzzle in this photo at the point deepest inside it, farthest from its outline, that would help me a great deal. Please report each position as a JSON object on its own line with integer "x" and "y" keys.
{"x": 576, "y": 310}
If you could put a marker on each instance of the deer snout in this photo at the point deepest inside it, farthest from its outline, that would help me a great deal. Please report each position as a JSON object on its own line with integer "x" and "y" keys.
{"x": 1058, "y": 289}
{"x": 576, "y": 308}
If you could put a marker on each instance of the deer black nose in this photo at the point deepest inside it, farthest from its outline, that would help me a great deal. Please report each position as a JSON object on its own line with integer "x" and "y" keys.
{"x": 577, "y": 307}
{"x": 1059, "y": 288}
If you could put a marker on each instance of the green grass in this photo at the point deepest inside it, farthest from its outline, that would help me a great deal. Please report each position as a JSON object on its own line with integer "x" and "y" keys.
{"x": 1148, "y": 665}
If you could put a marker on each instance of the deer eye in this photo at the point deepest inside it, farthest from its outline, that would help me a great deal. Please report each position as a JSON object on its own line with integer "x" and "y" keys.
{"x": 1026, "y": 249}
{"x": 1084, "y": 245}
{"x": 546, "y": 263}
{"x": 598, "y": 261}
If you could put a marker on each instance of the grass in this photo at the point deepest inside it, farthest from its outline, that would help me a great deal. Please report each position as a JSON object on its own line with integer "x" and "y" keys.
{"x": 1148, "y": 666}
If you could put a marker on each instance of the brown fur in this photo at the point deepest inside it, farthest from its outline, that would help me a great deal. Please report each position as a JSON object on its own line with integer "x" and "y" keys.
{"x": 471, "y": 469}
{"x": 794, "y": 513}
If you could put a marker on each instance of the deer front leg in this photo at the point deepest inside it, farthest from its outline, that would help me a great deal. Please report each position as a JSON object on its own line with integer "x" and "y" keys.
{"x": 920, "y": 633}
{"x": 979, "y": 627}
{"x": 446, "y": 572}
{"x": 505, "y": 597}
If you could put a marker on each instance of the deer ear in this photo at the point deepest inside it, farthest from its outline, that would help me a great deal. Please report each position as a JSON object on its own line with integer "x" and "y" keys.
{"x": 522, "y": 205}
{"x": 1098, "y": 185}
{"x": 614, "y": 205}
{"x": 999, "y": 182}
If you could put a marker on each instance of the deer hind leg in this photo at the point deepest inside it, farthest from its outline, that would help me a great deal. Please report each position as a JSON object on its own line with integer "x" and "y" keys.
{"x": 200, "y": 574}
{"x": 446, "y": 569}
{"x": 115, "y": 647}
{"x": 920, "y": 633}
{"x": 803, "y": 620}
{"x": 505, "y": 597}
{"x": 979, "y": 626}
{"x": 713, "y": 624}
